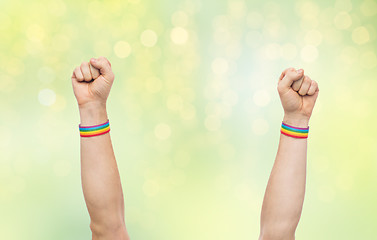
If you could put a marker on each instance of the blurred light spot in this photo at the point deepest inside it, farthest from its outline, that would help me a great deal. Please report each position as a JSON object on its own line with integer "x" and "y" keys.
{"x": 175, "y": 102}
{"x": 177, "y": 177}
{"x": 332, "y": 36}
{"x": 35, "y": 33}
{"x": 342, "y": 20}
{"x": 220, "y": 66}
{"x": 212, "y": 123}
{"x": 61, "y": 43}
{"x": 62, "y": 168}
{"x": 272, "y": 51}
{"x": 179, "y": 35}
{"x": 221, "y": 36}
{"x": 349, "y": 55}
{"x": 182, "y": 159}
{"x": 151, "y": 188}
{"x": 46, "y": 97}
{"x": 148, "y": 38}
{"x": 275, "y": 29}
{"x": 307, "y": 9}
{"x": 326, "y": 194}
{"x": 60, "y": 103}
{"x": 288, "y": 51}
{"x": 102, "y": 48}
{"x": 162, "y": 131}
{"x": 254, "y": 39}
{"x": 233, "y": 50}
{"x": 313, "y": 37}
{"x": 153, "y": 84}
{"x": 243, "y": 192}
{"x": 230, "y": 97}
{"x": 260, "y": 127}
{"x": 188, "y": 112}
{"x": 57, "y": 8}
{"x": 360, "y": 35}
{"x": 369, "y": 8}
{"x": 368, "y": 60}
{"x": 46, "y": 74}
{"x": 309, "y": 53}
{"x": 179, "y": 19}
{"x": 122, "y": 49}
{"x": 261, "y": 98}
{"x": 343, "y": 5}
{"x": 237, "y": 8}
{"x": 254, "y": 20}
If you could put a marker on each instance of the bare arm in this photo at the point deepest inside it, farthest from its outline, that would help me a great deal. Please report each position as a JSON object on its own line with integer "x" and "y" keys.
{"x": 285, "y": 191}
{"x": 99, "y": 172}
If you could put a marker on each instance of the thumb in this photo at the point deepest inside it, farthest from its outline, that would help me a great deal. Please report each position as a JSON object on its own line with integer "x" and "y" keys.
{"x": 104, "y": 67}
{"x": 291, "y": 75}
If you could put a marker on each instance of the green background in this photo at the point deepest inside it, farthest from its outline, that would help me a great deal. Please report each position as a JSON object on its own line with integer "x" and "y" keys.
{"x": 194, "y": 112}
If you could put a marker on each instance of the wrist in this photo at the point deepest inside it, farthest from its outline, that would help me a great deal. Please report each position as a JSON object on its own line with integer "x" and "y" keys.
{"x": 92, "y": 114}
{"x": 296, "y": 121}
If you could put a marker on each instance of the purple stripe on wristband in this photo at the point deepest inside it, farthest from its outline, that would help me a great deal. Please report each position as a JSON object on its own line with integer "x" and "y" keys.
{"x": 295, "y": 127}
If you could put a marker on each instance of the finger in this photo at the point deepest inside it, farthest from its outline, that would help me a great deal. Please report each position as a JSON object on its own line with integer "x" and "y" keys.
{"x": 78, "y": 74}
{"x": 291, "y": 75}
{"x": 297, "y": 85}
{"x": 305, "y": 86}
{"x": 285, "y": 72}
{"x": 94, "y": 71}
{"x": 104, "y": 67}
{"x": 86, "y": 71}
{"x": 313, "y": 88}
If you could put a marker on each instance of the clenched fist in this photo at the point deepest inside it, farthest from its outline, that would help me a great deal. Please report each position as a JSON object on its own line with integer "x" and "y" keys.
{"x": 92, "y": 81}
{"x": 298, "y": 94}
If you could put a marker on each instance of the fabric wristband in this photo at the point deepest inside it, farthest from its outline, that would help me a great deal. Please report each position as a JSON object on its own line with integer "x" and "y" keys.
{"x": 294, "y": 132}
{"x": 96, "y": 130}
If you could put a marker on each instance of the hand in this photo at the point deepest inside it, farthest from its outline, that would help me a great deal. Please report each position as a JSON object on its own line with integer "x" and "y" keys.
{"x": 298, "y": 94}
{"x": 92, "y": 82}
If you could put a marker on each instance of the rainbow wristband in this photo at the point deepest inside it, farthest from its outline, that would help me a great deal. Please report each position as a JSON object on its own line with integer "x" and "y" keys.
{"x": 294, "y": 132}
{"x": 92, "y": 131}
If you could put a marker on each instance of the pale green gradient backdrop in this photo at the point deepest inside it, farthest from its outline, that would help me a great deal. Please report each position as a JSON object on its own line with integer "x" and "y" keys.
{"x": 194, "y": 113}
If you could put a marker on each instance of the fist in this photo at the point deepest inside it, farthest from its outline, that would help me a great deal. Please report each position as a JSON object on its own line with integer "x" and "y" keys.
{"x": 298, "y": 94}
{"x": 92, "y": 81}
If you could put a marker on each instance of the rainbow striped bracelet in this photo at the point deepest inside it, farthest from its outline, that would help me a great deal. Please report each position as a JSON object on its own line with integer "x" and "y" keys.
{"x": 294, "y": 132}
{"x": 92, "y": 131}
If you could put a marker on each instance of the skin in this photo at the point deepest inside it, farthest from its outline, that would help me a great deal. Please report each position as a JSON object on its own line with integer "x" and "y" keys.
{"x": 91, "y": 82}
{"x": 285, "y": 192}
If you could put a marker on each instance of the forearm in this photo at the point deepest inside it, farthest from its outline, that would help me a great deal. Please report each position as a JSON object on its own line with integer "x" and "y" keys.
{"x": 285, "y": 191}
{"x": 99, "y": 172}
